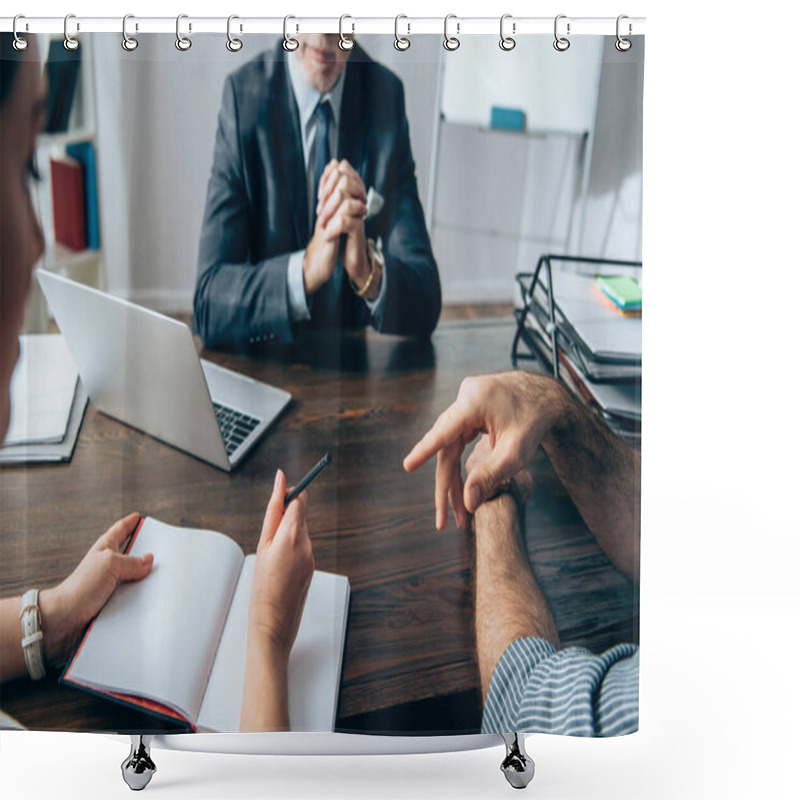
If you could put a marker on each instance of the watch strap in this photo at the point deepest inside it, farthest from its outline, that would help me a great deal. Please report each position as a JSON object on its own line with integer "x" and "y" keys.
{"x": 32, "y": 635}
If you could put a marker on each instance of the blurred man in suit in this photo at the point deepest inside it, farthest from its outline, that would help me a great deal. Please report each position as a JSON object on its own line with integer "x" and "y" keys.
{"x": 288, "y": 239}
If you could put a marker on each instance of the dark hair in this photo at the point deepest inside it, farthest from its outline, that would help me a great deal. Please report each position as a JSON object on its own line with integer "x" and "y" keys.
{"x": 9, "y": 60}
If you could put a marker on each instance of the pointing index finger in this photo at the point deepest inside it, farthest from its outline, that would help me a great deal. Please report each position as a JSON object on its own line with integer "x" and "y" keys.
{"x": 454, "y": 422}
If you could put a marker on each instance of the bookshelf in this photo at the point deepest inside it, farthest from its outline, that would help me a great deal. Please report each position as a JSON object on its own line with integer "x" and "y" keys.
{"x": 86, "y": 264}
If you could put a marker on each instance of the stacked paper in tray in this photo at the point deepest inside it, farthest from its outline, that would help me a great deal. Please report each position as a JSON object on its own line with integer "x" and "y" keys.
{"x": 600, "y": 350}
{"x": 48, "y": 401}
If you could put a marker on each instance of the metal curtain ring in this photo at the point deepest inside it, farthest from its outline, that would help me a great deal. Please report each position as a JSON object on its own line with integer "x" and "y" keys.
{"x": 183, "y": 43}
{"x": 561, "y": 43}
{"x": 346, "y": 42}
{"x": 70, "y": 42}
{"x": 290, "y": 44}
{"x": 451, "y": 42}
{"x": 19, "y": 43}
{"x": 400, "y": 42}
{"x": 507, "y": 42}
{"x": 622, "y": 44}
{"x": 233, "y": 44}
{"x": 129, "y": 43}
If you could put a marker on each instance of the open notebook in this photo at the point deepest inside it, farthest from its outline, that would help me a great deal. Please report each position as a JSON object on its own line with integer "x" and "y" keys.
{"x": 174, "y": 643}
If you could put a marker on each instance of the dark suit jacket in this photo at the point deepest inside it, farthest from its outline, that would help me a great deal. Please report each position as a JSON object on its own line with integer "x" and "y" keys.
{"x": 257, "y": 209}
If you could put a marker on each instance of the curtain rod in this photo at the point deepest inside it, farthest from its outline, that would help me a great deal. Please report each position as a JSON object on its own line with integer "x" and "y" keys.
{"x": 405, "y": 26}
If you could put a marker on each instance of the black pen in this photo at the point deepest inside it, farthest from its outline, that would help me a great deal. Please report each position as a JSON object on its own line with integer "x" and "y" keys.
{"x": 307, "y": 478}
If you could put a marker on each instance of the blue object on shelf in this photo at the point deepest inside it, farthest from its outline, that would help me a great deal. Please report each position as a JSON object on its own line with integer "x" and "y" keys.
{"x": 507, "y": 119}
{"x": 84, "y": 153}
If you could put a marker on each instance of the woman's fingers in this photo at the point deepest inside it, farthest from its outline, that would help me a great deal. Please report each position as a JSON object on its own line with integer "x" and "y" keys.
{"x": 119, "y": 532}
{"x": 274, "y": 512}
{"x": 132, "y": 568}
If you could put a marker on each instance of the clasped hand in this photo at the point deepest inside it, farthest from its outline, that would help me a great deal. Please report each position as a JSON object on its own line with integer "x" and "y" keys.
{"x": 341, "y": 209}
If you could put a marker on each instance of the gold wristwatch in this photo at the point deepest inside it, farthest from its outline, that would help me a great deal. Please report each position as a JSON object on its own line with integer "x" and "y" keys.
{"x": 372, "y": 288}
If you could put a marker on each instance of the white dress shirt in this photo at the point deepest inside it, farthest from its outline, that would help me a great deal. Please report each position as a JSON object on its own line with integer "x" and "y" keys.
{"x": 307, "y": 99}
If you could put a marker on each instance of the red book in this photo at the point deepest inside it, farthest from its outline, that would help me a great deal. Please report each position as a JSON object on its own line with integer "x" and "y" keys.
{"x": 68, "y": 207}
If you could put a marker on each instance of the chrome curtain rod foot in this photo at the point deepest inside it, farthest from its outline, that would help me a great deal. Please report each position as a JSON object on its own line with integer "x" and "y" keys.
{"x": 138, "y": 768}
{"x": 517, "y": 766}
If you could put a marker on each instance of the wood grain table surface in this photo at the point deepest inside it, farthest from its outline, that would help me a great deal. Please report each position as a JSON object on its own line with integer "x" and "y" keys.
{"x": 367, "y": 399}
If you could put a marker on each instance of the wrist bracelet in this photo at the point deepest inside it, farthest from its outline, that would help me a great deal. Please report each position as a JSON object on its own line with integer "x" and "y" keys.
{"x": 32, "y": 635}
{"x": 377, "y": 262}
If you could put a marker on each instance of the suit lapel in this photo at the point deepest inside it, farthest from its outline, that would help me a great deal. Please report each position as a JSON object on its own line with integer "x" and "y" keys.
{"x": 290, "y": 150}
{"x": 352, "y": 133}
{"x": 352, "y": 126}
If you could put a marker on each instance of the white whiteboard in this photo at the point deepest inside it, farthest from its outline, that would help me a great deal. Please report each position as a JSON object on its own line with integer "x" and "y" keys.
{"x": 557, "y": 91}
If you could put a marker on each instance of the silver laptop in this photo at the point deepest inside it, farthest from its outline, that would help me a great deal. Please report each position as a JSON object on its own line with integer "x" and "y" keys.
{"x": 142, "y": 368}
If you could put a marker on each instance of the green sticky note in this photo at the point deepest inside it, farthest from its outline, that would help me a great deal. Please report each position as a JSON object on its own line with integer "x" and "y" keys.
{"x": 622, "y": 290}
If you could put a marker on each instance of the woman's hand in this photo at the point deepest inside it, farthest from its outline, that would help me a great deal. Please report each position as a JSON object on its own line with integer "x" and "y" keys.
{"x": 69, "y": 607}
{"x": 283, "y": 571}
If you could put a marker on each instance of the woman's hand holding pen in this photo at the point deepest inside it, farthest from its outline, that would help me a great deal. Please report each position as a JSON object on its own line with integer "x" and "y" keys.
{"x": 283, "y": 571}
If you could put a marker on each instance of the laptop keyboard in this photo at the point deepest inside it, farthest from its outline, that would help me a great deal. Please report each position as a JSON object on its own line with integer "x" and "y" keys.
{"x": 234, "y": 426}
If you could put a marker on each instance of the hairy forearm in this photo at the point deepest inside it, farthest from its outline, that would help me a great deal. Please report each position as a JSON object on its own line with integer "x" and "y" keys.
{"x": 508, "y": 602}
{"x": 265, "y": 705}
{"x": 603, "y": 477}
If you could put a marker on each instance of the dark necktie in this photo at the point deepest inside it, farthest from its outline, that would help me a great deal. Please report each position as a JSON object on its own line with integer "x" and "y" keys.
{"x": 323, "y": 116}
{"x": 325, "y": 305}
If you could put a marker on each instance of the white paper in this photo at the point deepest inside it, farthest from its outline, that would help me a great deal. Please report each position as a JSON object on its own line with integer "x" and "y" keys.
{"x": 619, "y": 399}
{"x": 222, "y": 704}
{"x": 603, "y": 330}
{"x": 51, "y": 452}
{"x": 42, "y": 390}
{"x": 157, "y": 638}
{"x": 314, "y": 664}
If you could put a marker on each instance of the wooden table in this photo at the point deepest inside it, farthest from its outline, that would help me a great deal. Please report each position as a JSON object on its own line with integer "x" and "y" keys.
{"x": 366, "y": 398}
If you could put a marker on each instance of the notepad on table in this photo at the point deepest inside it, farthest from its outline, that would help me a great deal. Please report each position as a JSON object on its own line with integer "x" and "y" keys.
{"x": 590, "y": 324}
{"x": 174, "y": 643}
{"x": 42, "y": 390}
{"x": 622, "y": 290}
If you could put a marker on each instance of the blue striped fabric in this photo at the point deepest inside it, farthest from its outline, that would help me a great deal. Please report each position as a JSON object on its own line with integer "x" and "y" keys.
{"x": 538, "y": 689}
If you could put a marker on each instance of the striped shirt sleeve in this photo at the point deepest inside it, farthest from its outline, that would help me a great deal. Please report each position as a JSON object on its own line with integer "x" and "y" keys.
{"x": 537, "y": 689}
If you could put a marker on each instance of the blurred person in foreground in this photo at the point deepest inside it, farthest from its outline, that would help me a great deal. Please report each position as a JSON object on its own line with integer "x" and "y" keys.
{"x": 57, "y": 616}
{"x": 528, "y": 682}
